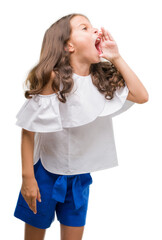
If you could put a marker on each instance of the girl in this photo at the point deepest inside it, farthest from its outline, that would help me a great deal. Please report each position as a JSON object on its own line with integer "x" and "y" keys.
{"x": 66, "y": 123}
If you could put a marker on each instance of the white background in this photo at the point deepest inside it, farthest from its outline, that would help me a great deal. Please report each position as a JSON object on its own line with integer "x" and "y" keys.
{"x": 125, "y": 202}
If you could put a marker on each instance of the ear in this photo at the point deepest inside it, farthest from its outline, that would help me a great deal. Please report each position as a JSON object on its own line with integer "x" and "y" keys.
{"x": 69, "y": 47}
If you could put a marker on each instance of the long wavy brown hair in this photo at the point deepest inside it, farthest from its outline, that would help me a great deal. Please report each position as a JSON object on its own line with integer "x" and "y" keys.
{"x": 54, "y": 57}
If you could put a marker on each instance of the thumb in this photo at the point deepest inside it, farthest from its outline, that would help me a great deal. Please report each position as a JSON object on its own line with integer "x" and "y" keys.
{"x": 102, "y": 55}
{"x": 38, "y": 195}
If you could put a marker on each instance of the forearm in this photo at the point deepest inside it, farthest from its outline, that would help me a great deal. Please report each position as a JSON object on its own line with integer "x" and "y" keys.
{"x": 134, "y": 85}
{"x": 27, "y": 149}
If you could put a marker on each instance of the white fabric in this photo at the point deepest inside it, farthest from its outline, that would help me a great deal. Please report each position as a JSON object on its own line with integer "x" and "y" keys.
{"x": 77, "y": 136}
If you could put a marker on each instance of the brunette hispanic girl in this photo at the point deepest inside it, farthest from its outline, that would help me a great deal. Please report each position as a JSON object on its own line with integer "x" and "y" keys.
{"x": 79, "y": 84}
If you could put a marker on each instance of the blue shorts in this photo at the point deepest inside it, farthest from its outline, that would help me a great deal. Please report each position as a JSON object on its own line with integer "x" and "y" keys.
{"x": 67, "y": 194}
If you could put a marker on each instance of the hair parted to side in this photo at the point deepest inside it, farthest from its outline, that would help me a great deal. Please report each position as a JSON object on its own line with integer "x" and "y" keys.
{"x": 54, "y": 57}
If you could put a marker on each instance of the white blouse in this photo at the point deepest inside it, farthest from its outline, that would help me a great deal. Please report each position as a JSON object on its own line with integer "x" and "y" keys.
{"x": 77, "y": 136}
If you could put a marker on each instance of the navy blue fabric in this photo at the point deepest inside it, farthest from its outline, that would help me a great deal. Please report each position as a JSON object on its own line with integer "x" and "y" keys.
{"x": 67, "y": 195}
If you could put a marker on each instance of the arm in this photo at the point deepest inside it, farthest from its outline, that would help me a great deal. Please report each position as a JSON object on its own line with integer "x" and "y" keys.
{"x": 137, "y": 92}
{"x": 29, "y": 189}
{"x": 27, "y": 148}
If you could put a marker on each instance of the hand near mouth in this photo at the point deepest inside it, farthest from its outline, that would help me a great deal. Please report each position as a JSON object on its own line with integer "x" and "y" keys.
{"x": 108, "y": 46}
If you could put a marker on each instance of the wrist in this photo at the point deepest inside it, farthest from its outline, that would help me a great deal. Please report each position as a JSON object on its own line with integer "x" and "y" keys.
{"x": 28, "y": 175}
{"x": 116, "y": 59}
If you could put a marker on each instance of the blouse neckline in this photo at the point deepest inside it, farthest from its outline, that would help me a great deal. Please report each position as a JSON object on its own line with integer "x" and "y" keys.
{"x": 49, "y": 95}
{"x": 74, "y": 75}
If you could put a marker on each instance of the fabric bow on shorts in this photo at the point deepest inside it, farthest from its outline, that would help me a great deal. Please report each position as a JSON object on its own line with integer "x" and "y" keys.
{"x": 60, "y": 189}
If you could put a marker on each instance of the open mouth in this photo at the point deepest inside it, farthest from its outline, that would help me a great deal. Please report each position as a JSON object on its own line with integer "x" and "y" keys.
{"x": 97, "y": 45}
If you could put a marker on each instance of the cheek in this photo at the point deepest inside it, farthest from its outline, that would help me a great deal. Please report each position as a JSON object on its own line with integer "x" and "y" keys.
{"x": 85, "y": 46}
{"x": 82, "y": 42}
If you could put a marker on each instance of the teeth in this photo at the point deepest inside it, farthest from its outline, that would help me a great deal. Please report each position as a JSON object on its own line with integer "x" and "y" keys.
{"x": 98, "y": 40}
{"x": 97, "y": 44}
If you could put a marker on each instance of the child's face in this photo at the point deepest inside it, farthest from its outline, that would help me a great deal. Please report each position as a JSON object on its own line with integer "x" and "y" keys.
{"x": 82, "y": 40}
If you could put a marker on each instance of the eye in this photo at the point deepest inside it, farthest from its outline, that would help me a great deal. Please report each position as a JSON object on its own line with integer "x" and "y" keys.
{"x": 84, "y": 28}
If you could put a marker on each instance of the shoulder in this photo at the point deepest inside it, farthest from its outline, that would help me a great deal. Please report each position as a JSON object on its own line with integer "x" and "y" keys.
{"x": 53, "y": 74}
{"x": 47, "y": 90}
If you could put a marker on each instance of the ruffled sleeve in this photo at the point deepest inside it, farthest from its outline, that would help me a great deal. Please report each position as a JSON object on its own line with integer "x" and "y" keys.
{"x": 45, "y": 113}
{"x": 40, "y": 114}
{"x": 118, "y": 104}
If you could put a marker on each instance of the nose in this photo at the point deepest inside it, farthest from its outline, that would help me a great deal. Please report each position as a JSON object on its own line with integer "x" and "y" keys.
{"x": 96, "y": 31}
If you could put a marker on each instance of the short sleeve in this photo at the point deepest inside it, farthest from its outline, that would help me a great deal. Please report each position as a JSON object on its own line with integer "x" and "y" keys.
{"x": 40, "y": 114}
{"x": 46, "y": 113}
{"x": 118, "y": 103}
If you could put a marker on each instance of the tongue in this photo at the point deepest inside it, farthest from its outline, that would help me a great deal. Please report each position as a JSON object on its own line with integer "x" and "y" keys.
{"x": 98, "y": 48}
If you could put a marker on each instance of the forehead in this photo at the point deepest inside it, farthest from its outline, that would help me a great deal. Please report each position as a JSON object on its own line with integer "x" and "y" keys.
{"x": 77, "y": 21}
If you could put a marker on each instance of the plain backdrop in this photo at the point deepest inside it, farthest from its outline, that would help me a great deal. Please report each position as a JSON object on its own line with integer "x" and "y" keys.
{"x": 125, "y": 201}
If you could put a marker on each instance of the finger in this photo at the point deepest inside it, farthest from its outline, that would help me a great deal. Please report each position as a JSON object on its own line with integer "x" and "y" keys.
{"x": 33, "y": 205}
{"x": 105, "y": 34}
{"x": 100, "y": 33}
{"x": 38, "y": 195}
{"x": 110, "y": 36}
{"x": 102, "y": 56}
{"x": 27, "y": 200}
